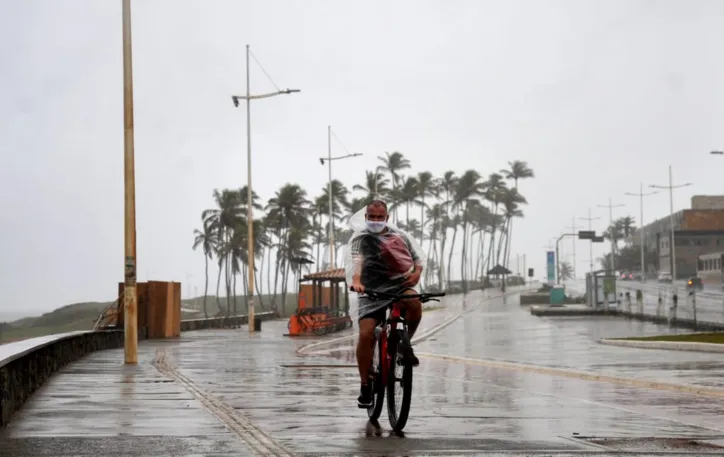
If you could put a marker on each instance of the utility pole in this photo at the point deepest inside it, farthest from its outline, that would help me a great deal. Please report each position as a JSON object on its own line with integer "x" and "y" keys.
{"x": 130, "y": 297}
{"x": 641, "y": 196}
{"x": 610, "y": 207}
{"x": 672, "y": 246}
{"x": 249, "y": 192}
{"x": 590, "y": 245}
{"x": 329, "y": 159}
{"x": 574, "y": 228}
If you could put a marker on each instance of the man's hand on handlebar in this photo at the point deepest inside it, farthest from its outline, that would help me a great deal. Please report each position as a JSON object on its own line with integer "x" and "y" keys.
{"x": 357, "y": 287}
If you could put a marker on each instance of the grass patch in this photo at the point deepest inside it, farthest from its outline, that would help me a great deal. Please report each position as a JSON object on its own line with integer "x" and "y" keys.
{"x": 714, "y": 337}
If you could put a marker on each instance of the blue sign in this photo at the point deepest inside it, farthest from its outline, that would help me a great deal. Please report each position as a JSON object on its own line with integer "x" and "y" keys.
{"x": 551, "y": 267}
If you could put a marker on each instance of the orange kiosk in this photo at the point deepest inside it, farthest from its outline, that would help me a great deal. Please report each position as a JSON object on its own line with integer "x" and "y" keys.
{"x": 319, "y": 304}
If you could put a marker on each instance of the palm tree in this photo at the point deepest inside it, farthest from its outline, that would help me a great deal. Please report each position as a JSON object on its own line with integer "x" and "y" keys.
{"x": 495, "y": 191}
{"x": 565, "y": 271}
{"x": 289, "y": 209}
{"x": 222, "y": 219}
{"x": 394, "y": 163}
{"x": 447, "y": 186}
{"x": 205, "y": 238}
{"x": 373, "y": 179}
{"x": 511, "y": 200}
{"x": 516, "y": 171}
{"x": 427, "y": 186}
{"x": 469, "y": 187}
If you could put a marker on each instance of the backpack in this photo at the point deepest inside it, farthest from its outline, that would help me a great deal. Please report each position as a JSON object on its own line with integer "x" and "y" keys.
{"x": 396, "y": 255}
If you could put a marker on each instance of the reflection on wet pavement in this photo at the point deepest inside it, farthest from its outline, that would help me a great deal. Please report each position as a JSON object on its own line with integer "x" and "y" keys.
{"x": 216, "y": 379}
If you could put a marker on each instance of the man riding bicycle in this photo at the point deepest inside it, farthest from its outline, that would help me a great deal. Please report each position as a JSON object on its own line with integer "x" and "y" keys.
{"x": 383, "y": 259}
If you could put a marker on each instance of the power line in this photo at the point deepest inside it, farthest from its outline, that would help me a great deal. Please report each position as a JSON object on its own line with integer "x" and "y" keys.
{"x": 264, "y": 71}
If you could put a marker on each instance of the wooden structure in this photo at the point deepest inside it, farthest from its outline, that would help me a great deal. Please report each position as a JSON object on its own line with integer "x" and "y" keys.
{"x": 159, "y": 310}
{"x": 319, "y": 308}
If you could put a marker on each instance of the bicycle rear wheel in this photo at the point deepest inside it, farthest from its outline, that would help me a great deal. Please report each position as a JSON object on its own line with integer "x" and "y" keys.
{"x": 399, "y": 375}
{"x": 378, "y": 389}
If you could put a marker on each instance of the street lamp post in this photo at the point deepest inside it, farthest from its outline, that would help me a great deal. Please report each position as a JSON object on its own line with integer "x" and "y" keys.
{"x": 329, "y": 159}
{"x": 573, "y": 227}
{"x": 610, "y": 207}
{"x": 130, "y": 298}
{"x": 249, "y": 204}
{"x": 672, "y": 246}
{"x": 641, "y": 196}
{"x": 590, "y": 245}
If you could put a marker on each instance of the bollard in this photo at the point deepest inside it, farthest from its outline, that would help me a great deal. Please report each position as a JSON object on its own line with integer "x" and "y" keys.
{"x": 628, "y": 302}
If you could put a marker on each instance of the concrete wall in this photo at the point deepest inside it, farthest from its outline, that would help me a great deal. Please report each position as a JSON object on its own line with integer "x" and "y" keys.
{"x": 24, "y": 372}
{"x": 26, "y": 365}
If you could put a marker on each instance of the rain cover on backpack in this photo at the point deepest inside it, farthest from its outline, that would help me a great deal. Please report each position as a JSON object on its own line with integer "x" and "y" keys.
{"x": 383, "y": 260}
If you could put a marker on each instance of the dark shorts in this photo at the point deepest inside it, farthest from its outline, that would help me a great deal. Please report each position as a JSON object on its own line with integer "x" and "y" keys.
{"x": 379, "y": 316}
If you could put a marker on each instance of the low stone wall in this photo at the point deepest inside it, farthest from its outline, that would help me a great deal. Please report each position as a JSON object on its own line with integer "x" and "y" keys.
{"x": 676, "y": 322}
{"x": 534, "y": 298}
{"x": 223, "y": 322}
{"x": 26, "y": 365}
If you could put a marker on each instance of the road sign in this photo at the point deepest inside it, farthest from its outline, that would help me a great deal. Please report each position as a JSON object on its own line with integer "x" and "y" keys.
{"x": 586, "y": 234}
{"x": 530, "y": 272}
{"x": 597, "y": 239}
{"x": 551, "y": 266}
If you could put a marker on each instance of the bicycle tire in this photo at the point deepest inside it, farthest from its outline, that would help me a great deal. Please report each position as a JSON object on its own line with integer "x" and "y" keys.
{"x": 399, "y": 345}
{"x": 378, "y": 390}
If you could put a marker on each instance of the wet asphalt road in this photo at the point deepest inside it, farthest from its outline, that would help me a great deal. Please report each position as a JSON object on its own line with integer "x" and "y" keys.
{"x": 224, "y": 393}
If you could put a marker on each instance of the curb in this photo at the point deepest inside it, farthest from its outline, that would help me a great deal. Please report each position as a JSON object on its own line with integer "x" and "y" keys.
{"x": 665, "y": 345}
{"x": 584, "y": 375}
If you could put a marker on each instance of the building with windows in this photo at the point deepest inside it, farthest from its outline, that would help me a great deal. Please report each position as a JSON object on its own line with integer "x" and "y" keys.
{"x": 697, "y": 231}
{"x": 689, "y": 245}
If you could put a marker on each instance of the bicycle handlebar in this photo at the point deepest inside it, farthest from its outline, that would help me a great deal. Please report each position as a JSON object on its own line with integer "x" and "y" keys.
{"x": 385, "y": 295}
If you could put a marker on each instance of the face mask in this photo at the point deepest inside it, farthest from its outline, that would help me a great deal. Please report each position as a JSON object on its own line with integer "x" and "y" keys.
{"x": 376, "y": 226}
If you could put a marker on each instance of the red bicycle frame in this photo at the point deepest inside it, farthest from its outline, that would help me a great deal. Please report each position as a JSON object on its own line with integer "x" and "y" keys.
{"x": 395, "y": 316}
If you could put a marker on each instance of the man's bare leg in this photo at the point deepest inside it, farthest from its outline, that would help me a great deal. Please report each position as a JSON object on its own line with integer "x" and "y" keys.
{"x": 413, "y": 313}
{"x": 365, "y": 352}
{"x": 413, "y": 316}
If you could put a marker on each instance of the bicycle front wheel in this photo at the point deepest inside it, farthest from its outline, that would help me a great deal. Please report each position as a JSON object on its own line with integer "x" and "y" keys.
{"x": 378, "y": 388}
{"x": 399, "y": 381}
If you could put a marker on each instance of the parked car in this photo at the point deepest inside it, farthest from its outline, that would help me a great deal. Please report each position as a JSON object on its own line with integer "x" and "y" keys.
{"x": 664, "y": 277}
{"x": 695, "y": 283}
{"x": 626, "y": 276}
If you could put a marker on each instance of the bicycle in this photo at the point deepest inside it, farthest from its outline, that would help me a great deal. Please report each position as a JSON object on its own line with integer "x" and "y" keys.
{"x": 391, "y": 348}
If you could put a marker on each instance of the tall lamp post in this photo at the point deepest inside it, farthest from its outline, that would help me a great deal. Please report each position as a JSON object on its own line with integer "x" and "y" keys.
{"x": 672, "y": 246}
{"x": 329, "y": 159}
{"x": 573, "y": 228}
{"x": 641, "y": 196}
{"x": 130, "y": 298}
{"x": 249, "y": 204}
{"x": 590, "y": 245}
{"x": 610, "y": 207}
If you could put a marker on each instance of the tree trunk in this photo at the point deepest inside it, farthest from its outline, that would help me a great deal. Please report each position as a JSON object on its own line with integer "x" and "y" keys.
{"x": 450, "y": 254}
{"x": 206, "y": 285}
{"x": 218, "y": 287}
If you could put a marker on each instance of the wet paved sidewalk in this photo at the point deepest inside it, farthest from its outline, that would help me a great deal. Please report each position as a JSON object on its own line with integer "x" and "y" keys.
{"x": 223, "y": 393}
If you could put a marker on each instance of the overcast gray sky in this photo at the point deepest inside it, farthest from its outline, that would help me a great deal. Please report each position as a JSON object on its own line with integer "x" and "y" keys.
{"x": 595, "y": 95}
